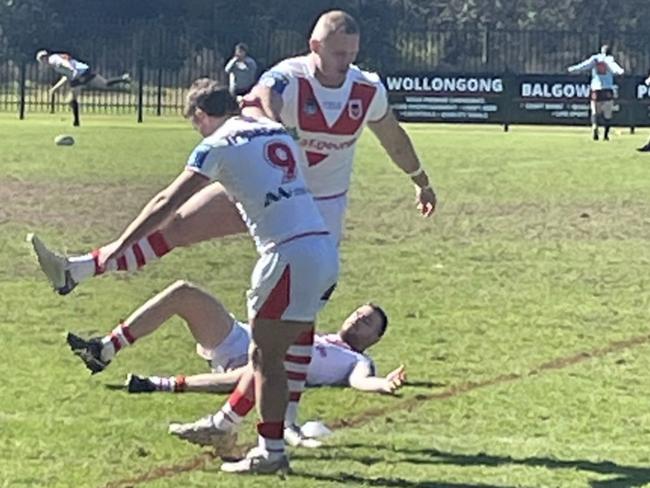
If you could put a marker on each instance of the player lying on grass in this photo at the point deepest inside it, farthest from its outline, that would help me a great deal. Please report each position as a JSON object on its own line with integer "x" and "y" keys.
{"x": 78, "y": 75}
{"x": 338, "y": 358}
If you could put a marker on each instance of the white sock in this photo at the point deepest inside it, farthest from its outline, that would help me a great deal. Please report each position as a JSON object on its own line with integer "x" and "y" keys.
{"x": 82, "y": 267}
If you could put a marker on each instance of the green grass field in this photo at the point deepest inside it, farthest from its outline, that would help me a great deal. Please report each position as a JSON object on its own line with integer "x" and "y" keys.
{"x": 521, "y": 312}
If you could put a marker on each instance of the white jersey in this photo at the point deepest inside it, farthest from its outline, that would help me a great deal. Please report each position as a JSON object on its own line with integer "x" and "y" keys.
{"x": 603, "y": 68}
{"x": 254, "y": 159}
{"x": 66, "y": 65}
{"x": 327, "y": 122}
{"x": 333, "y": 360}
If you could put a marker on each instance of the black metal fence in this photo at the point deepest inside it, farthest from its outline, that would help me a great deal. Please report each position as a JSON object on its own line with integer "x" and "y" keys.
{"x": 164, "y": 61}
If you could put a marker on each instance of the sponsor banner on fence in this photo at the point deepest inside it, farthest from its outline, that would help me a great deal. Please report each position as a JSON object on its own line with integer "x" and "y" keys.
{"x": 512, "y": 99}
{"x": 446, "y": 98}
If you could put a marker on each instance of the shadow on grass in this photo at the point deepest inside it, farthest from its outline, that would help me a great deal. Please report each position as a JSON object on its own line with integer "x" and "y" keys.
{"x": 623, "y": 476}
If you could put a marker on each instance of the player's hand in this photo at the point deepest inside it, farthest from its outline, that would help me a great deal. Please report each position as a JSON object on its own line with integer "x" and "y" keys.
{"x": 647, "y": 80}
{"x": 107, "y": 253}
{"x": 395, "y": 379}
{"x": 425, "y": 199}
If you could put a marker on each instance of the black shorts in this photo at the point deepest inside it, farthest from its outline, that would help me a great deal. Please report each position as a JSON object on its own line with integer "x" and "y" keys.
{"x": 602, "y": 95}
{"x": 84, "y": 79}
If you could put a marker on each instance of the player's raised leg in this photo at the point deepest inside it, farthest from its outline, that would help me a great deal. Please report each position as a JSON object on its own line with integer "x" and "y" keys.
{"x": 207, "y": 215}
{"x": 207, "y": 320}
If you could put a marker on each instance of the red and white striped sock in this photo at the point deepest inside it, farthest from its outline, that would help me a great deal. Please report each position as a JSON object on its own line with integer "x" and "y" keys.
{"x": 143, "y": 252}
{"x": 174, "y": 384}
{"x": 120, "y": 337}
{"x": 296, "y": 363}
{"x": 270, "y": 437}
{"x": 239, "y": 404}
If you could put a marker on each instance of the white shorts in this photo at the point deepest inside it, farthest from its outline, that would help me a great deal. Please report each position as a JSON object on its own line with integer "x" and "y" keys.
{"x": 332, "y": 209}
{"x": 232, "y": 353}
{"x": 294, "y": 280}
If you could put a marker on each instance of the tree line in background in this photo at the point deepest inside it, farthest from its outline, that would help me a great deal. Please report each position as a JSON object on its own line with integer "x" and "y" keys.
{"x": 79, "y": 25}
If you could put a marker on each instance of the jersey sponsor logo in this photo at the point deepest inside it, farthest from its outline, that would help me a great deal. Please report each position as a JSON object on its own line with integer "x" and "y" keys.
{"x": 332, "y": 105}
{"x": 283, "y": 193}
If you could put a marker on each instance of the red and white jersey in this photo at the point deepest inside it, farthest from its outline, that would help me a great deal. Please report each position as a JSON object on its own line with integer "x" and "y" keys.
{"x": 327, "y": 122}
{"x": 66, "y": 65}
{"x": 333, "y": 360}
{"x": 255, "y": 161}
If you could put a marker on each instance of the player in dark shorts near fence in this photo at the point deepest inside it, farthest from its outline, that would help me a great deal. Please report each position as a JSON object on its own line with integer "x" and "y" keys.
{"x": 79, "y": 76}
{"x": 603, "y": 68}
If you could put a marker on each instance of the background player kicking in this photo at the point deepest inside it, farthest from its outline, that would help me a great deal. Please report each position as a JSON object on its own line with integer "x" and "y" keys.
{"x": 78, "y": 75}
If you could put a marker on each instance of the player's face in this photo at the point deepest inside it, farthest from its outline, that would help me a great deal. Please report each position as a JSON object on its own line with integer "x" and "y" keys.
{"x": 335, "y": 54}
{"x": 362, "y": 328}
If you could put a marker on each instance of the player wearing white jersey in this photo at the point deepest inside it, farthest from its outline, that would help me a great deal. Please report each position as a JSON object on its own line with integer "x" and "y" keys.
{"x": 603, "y": 68}
{"x": 338, "y": 359}
{"x": 326, "y": 102}
{"x": 78, "y": 75}
{"x": 254, "y": 159}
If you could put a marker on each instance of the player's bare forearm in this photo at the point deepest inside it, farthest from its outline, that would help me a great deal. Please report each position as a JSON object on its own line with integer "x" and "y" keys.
{"x": 370, "y": 384}
{"x": 399, "y": 147}
{"x": 396, "y": 142}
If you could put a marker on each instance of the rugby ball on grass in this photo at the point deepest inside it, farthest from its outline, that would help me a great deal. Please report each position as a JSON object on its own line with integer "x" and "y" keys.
{"x": 64, "y": 140}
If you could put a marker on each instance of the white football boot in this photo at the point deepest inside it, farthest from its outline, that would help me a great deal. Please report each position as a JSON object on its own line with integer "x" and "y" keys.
{"x": 53, "y": 265}
{"x": 203, "y": 432}
{"x": 258, "y": 461}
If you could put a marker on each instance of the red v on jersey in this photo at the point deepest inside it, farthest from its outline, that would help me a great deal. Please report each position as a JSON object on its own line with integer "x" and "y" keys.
{"x": 353, "y": 114}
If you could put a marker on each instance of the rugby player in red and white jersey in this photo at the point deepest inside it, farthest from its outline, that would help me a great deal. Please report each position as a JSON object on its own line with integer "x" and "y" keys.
{"x": 326, "y": 102}
{"x": 78, "y": 75}
{"x": 222, "y": 340}
{"x": 255, "y": 161}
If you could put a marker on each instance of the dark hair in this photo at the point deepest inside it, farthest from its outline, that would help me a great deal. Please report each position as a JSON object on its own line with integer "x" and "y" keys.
{"x": 242, "y": 46}
{"x": 382, "y": 314}
{"x": 211, "y": 97}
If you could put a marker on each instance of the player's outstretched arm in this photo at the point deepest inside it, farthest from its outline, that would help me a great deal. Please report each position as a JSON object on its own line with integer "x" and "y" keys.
{"x": 361, "y": 378}
{"x": 155, "y": 213}
{"x": 583, "y": 66}
{"x": 399, "y": 147}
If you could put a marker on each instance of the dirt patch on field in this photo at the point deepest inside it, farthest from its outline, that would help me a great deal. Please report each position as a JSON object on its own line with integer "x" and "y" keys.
{"x": 72, "y": 206}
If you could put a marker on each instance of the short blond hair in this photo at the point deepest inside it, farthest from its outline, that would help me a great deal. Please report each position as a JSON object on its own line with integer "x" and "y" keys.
{"x": 334, "y": 21}
{"x": 211, "y": 97}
